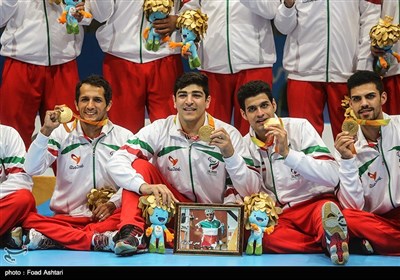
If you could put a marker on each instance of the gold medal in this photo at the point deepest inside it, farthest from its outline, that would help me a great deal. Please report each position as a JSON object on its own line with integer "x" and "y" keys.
{"x": 65, "y": 115}
{"x": 350, "y": 125}
{"x": 270, "y": 138}
{"x": 205, "y": 133}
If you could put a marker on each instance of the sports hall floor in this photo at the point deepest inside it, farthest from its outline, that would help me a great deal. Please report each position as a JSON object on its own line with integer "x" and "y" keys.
{"x": 96, "y": 262}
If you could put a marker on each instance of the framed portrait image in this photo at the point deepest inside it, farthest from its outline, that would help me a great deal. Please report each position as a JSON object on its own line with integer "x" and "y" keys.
{"x": 209, "y": 229}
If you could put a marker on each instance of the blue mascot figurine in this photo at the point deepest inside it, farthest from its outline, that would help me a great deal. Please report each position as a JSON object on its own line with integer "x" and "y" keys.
{"x": 154, "y": 10}
{"x": 193, "y": 25}
{"x": 156, "y": 218}
{"x": 70, "y": 15}
{"x": 383, "y": 36}
{"x": 261, "y": 217}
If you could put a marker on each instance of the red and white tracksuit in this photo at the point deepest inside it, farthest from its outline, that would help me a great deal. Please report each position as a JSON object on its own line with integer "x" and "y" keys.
{"x": 140, "y": 79}
{"x": 326, "y": 42}
{"x": 301, "y": 184}
{"x": 40, "y": 70}
{"x": 237, "y": 48}
{"x": 370, "y": 189}
{"x": 16, "y": 199}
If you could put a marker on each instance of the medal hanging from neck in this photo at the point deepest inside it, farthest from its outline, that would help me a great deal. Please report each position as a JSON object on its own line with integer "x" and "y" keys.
{"x": 351, "y": 124}
{"x": 66, "y": 116}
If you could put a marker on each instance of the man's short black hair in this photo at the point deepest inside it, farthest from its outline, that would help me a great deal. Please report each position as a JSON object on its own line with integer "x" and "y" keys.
{"x": 96, "y": 81}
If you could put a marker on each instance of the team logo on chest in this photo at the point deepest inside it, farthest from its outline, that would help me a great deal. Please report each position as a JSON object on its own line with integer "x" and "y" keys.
{"x": 212, "y": 166}
{"x": 174, "y": 162}
{"x": 76, "y": 159}
{"x": 373, "y": 177}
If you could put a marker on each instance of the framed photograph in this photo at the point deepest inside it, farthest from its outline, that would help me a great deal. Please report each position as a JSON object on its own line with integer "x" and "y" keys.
{"x": 209, "y": 229}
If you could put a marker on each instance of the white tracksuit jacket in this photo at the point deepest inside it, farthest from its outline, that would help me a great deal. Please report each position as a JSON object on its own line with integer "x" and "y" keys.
{"x": 309, "y": 169}
{"x": 392, "y": 8}
{"x": 81, "y": 165}
{"x": 12, "y": 157}
{"x": 33, "y": 34}
{"x": 239, "y": 35}
{"x": 196, "y": 169}
{"x": 327, "y": 40}
{"x": 122, "y": 34}
{"x": 370, "y": 181}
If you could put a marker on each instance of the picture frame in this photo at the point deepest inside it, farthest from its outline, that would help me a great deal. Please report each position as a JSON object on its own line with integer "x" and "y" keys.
{"x": 209, "y": 229}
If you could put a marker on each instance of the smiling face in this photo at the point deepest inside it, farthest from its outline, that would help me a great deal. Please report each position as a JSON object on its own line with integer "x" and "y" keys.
{"x": 91, "y": 103}
{"x": 191, "y": 103}
{"x": 366, "y": 102}
{"x": 159, "y": 216}
{"x": 258, "y": 109}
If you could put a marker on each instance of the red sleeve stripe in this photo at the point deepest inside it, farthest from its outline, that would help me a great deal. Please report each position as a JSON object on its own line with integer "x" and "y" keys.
{"x": 324, "y": 157}
{"x": 53, "y": 152}
{"x": 138, "y": 153}
{"x": 14, "y": 170}
{"x": 378, "y": 2}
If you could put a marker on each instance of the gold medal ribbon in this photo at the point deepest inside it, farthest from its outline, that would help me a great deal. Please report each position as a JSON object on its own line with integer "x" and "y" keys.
{"x": 373, "y": 122}
{"x": 77, "y": 117}
{"x": 262, "y": 144}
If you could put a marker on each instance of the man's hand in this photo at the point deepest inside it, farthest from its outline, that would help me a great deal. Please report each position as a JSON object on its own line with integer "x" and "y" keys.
{"x": 161, "y": 192}
{"x": 51, "y": 121}
{"x": 343, "y": 144}
{"x": 222, "y": 140}
{"x": 165, "y": 26}
{"x": 281, "y": 142}
{"x": 79, "y": 8}
{"x": 103, "y": 211}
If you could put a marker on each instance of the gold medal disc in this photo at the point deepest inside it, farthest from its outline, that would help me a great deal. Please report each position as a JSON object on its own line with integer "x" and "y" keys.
{"x": 205, "y": 133}
{"x": 65, "y": 115}
{"x": 351, "y": 126}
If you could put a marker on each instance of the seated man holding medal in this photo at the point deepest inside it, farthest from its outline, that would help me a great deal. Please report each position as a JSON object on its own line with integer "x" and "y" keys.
{"x": 369, "y": 158}
{"x": 298, "y": 168}
{"x": 191, "y": 156}
{"x": 80, "y": 148}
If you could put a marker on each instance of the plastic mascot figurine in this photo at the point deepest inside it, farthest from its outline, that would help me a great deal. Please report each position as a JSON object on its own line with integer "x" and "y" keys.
{"x": 68, "y": 16}
{"x": 155, "y": 9}
{"x": 261, "y": 216}
{"x": 156, "y": 217}
{"x": 383, "y": 36}
{"x": 193, "y": 25}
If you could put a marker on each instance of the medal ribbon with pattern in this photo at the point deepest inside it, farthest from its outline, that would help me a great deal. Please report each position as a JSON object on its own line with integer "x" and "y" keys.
{"x": 262, "y": 144}
{"x": 67, "y": 114}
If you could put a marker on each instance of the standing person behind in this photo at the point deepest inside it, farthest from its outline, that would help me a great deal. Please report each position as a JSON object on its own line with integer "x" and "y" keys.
{"x": 391, "y": 80}
{"x": 140, "y": 78}
{"x": 186, "y": 168}
{"x": 326, "y": 42}
{"x": 81, "y": 157}
{"x": 370, "y": 178}
{"x": 16, "y": 199}
{"x": 40, "y": 68}
{"x": 238, "y": 47}
{"x": 298, "y": 168}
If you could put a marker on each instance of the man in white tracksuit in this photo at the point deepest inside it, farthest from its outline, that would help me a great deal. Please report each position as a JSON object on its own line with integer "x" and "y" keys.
{"x": 370, "y": 177}
{"x": 16, "y": 199}
{"x": 140, "y": 78}
{"x": 204, "y": 171}
{"x": 238, "y": 47}
{"x": 81, "y": 153}
{"x": 40, "y": 68}
{"x": 391, "y": 79}
{"x": 299, "y": 170}
{"x": 326, "y": 42}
